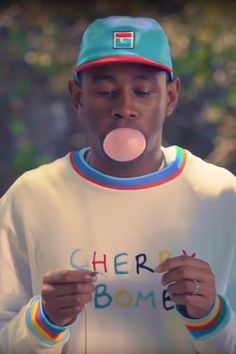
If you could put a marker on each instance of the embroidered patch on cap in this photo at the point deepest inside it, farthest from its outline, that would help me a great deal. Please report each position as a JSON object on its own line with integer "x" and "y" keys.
{"x": 123, "y": 40}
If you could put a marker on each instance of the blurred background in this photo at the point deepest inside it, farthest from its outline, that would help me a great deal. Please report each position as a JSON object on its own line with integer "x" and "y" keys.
{"x": 39, "y": 43}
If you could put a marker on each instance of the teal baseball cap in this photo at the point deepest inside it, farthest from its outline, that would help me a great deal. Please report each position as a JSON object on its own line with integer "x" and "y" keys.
{"x": 124, "y": 39}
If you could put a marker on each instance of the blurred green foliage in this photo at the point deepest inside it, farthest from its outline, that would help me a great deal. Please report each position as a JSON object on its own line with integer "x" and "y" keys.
{"x": 39, "y": 45}
{"x": 27, "y": 158}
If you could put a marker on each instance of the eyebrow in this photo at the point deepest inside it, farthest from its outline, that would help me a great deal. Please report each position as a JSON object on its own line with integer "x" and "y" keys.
{"x": 144, "y": 77}
{"x": 98, "y": 78}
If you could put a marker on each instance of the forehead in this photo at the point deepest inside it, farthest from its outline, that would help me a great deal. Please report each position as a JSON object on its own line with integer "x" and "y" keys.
{"x": 116, "y": 70}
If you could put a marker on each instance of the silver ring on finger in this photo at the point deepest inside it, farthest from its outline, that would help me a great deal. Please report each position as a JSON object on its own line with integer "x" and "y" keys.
{"x": 196, "y": 289}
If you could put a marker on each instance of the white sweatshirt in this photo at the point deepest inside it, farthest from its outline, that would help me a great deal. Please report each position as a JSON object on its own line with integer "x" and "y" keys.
{"x": 66, "y": 215}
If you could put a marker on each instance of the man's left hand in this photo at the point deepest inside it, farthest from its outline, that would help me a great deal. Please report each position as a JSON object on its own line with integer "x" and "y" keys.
{"x": 190, "y": 282}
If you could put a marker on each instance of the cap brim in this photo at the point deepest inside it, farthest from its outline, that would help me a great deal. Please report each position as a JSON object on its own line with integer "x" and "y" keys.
{"x": 123, "y": 59}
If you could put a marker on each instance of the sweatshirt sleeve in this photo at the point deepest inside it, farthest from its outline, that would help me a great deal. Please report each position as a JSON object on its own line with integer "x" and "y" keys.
{"x": 39, "y": 325}
{"x": 216, "y": 333}
{"x": 23, "y": 329}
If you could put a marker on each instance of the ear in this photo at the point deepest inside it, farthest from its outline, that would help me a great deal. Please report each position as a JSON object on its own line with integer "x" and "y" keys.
{"x": 75, "y": 93}
{"x": 173, "y": 88}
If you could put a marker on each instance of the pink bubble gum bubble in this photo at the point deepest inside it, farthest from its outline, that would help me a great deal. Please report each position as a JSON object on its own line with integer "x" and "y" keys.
{"x": 124, "y": 144}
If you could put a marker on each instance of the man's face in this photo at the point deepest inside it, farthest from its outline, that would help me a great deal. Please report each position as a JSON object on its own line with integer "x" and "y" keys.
{"x": 125, "y": 95}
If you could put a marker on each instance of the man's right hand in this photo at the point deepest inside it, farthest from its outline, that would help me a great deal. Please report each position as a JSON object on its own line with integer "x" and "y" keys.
{"x": 64, "y": 294}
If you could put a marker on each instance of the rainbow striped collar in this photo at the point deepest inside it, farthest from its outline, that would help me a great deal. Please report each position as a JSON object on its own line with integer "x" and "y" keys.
{"x": 171, "y": 171}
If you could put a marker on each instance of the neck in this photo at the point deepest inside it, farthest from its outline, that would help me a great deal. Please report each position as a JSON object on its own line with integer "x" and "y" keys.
{"x": 135, "y": 168}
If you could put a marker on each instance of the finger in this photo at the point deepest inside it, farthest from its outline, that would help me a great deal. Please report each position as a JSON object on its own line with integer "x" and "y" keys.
{"x": 185, "y": 287}
{"x": 180, "y": 261}
{"x": 84, "y": 299}
{"x": 51, "y": 291}
{"x": 69, "y": 301}
{"x": 78, "y": 301}
{"x": 85, "y": 288}
{"x": 187, "y": 273}
{"x": 195, "y": 301}
{"x": 69, "y": 276}
{"x": 69, "y": 311}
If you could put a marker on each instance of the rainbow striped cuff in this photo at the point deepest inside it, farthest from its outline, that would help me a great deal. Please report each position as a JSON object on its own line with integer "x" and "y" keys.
{"x": 44, "y": 330}
{"x": 202, "y": 329}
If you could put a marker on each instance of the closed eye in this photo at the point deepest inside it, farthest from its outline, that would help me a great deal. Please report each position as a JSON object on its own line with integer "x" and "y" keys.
{"x": 143, "y": 93}
{"x": 106, "y": 92}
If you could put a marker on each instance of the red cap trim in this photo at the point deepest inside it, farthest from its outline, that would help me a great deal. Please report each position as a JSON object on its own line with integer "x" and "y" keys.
{"x": 122, "y": 59}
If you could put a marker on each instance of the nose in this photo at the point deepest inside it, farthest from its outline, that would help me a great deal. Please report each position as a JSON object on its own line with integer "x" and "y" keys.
{"x": 124, "y": 107}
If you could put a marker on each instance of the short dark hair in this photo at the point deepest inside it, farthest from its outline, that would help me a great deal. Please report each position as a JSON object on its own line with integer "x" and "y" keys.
{"x": 78, "y": 78}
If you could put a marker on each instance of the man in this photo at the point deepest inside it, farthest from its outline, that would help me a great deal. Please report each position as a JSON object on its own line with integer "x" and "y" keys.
{"x": 144, "y": 235}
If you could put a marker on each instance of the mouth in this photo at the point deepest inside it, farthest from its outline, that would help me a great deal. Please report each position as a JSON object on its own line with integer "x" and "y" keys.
{"x": 124, "y": 144}
{"x": 122, "y": 124}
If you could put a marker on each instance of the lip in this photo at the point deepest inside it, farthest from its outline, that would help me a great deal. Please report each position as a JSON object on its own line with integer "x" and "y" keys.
{"x": 124, "y": 144}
